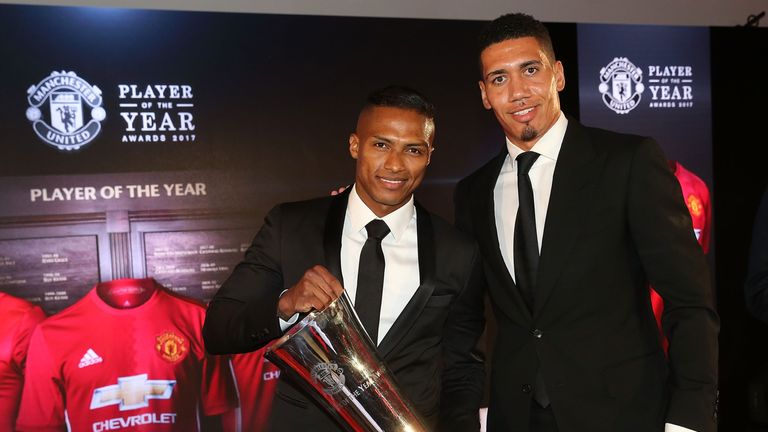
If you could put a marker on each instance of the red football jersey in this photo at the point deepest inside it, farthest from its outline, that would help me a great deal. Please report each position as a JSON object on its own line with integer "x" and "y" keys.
{"x": 98, "y": 368}
{"x": 19, "y": 319}
{"x": 256, "y": 379}
{"x": 696, "y": 196}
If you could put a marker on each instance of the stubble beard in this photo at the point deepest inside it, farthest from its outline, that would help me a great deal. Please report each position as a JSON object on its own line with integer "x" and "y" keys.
{"x": 529, "y": 134}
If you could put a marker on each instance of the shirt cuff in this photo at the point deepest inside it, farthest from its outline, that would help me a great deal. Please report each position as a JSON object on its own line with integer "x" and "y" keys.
{"x": 669, "y": 427}
{"x": 285, "y": 325}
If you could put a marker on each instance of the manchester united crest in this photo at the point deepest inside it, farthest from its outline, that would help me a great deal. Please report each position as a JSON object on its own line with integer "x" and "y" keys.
{"x": 66, "y": 123}
{"x": 330, "y": 376}
{"x": 171, "y": 347}
{"x": 694, "y": 205}
{"x": 621, "y": 85}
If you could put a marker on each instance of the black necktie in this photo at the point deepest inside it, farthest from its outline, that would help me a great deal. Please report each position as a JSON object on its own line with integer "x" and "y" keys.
{"x": 370, "y": 278}
{"x": 526, "y": 250}
{"x": 526, "y": 245}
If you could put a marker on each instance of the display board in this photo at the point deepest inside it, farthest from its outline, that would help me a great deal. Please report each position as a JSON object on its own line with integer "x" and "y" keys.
{"x": 171, "y": 134}
{"x": 652, "y": 81}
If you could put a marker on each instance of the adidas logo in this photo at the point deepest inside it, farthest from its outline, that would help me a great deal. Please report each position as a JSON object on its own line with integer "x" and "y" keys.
{"x": 89, "y": 358}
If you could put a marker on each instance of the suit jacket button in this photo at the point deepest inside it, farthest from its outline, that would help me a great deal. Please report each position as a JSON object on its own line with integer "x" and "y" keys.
{"x": 527, "y": 388}
{"x": 537, "y": 333}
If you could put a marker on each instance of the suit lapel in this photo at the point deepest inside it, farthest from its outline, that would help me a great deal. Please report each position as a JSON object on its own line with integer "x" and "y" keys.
{"x": 334, "y": 225}
{"x": 508, "y": 297}
{"x": 409, "y": 315}
{"x": 577, "y": 167}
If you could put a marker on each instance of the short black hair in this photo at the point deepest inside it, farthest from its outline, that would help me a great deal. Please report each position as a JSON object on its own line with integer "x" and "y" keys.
{"x": 400, "y": 97}
{"x": 515, "y": 26}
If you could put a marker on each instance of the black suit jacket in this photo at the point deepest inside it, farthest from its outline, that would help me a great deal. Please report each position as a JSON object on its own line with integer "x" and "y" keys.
{"x": 429, "y": 347}
{"x": 615, "y": 222}
{"x": 756, "y": 286}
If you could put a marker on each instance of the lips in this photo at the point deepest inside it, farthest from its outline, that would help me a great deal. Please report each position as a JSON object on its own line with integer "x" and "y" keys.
{"x": 391, "y": 183}
{"x": 523, "y": 112}
{"x": 524, "y": 115}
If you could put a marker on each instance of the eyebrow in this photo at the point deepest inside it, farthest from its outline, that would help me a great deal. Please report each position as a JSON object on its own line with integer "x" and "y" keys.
{"x": 530, "y": 63}
{"x": 522, "y": 66}
{"x": 411, "y": 144}
{"x": 495, "y": 72}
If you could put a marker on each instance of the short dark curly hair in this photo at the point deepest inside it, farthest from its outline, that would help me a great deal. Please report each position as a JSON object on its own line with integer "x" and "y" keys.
{"x": 401, "y": 97}
{"x": 515, "y": 26}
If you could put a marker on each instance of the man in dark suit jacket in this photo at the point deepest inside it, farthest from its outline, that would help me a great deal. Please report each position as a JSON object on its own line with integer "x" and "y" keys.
{"x": 582, "y": 354}
{"x": 431, "y": 306}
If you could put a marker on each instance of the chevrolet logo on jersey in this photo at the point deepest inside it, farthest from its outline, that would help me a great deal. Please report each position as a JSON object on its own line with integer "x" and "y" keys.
{"x": 132, "y": 392}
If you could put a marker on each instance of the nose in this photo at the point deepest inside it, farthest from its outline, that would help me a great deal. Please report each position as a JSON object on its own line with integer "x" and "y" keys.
{"x": 394, "y": 161}
{"x": 518, "y": 90}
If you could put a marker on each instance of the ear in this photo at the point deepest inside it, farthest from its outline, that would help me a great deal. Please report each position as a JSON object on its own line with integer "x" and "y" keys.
{"x": 483, "y": 95}
{"x": 354, "y": 145}
{"x": 559, "y": 76}
{"x": 429, "y": 155}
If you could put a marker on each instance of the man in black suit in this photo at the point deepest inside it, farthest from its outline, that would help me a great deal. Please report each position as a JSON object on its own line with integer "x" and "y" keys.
{"x": 430, "y": 305}
{"x": 601, "y": 216}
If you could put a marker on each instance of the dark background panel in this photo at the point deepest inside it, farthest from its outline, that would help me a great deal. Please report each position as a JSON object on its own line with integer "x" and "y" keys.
{"x": 684, "y": 133}
{"x": 740, "y": 152}
{"x": 274, "y": 95}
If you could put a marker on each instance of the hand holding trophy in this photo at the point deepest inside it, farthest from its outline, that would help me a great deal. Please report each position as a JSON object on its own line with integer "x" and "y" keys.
{"x": 331, "y": 356}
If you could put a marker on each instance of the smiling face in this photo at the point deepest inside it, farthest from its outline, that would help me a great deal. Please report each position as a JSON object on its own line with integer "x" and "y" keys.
{"x": 393, "y": 147}
{"x": 520, "y": 84}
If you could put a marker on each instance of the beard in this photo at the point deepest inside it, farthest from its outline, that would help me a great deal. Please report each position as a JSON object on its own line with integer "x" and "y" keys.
{"x": 529, "y": 134}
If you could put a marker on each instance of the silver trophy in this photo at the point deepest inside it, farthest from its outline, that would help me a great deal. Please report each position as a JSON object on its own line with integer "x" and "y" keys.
{"x": 333, "y": 358}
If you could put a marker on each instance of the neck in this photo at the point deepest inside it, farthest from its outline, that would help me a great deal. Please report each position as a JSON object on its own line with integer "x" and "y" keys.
{"x": 379, "y": 209}
{"x": 524, "y": 146}
{"x": 126, "y": 293}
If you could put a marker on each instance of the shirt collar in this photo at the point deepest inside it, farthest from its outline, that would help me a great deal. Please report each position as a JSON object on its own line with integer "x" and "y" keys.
{"x": 548, "y": 145}
{"x": 397, "y": 221}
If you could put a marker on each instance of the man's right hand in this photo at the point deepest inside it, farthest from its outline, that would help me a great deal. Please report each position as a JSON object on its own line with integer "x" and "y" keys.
{"x": 315, "y": 290}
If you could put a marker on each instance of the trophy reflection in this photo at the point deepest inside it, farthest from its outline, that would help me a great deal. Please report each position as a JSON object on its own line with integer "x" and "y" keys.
{"x": 331, "y": 356}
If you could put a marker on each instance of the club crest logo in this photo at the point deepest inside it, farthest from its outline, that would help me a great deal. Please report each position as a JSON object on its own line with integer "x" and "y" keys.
{"x": 171, "y": 347}
{"x": 695, "y": 207}
{"x": 67, "y": 123}
{"x": 621, "y": 85}
{"x": 330, "y": 376}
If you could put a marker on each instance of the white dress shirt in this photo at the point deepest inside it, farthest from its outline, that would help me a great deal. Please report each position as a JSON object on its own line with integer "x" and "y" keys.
{"x": 541, "y": 174}
{"x": 401, "y": 257}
